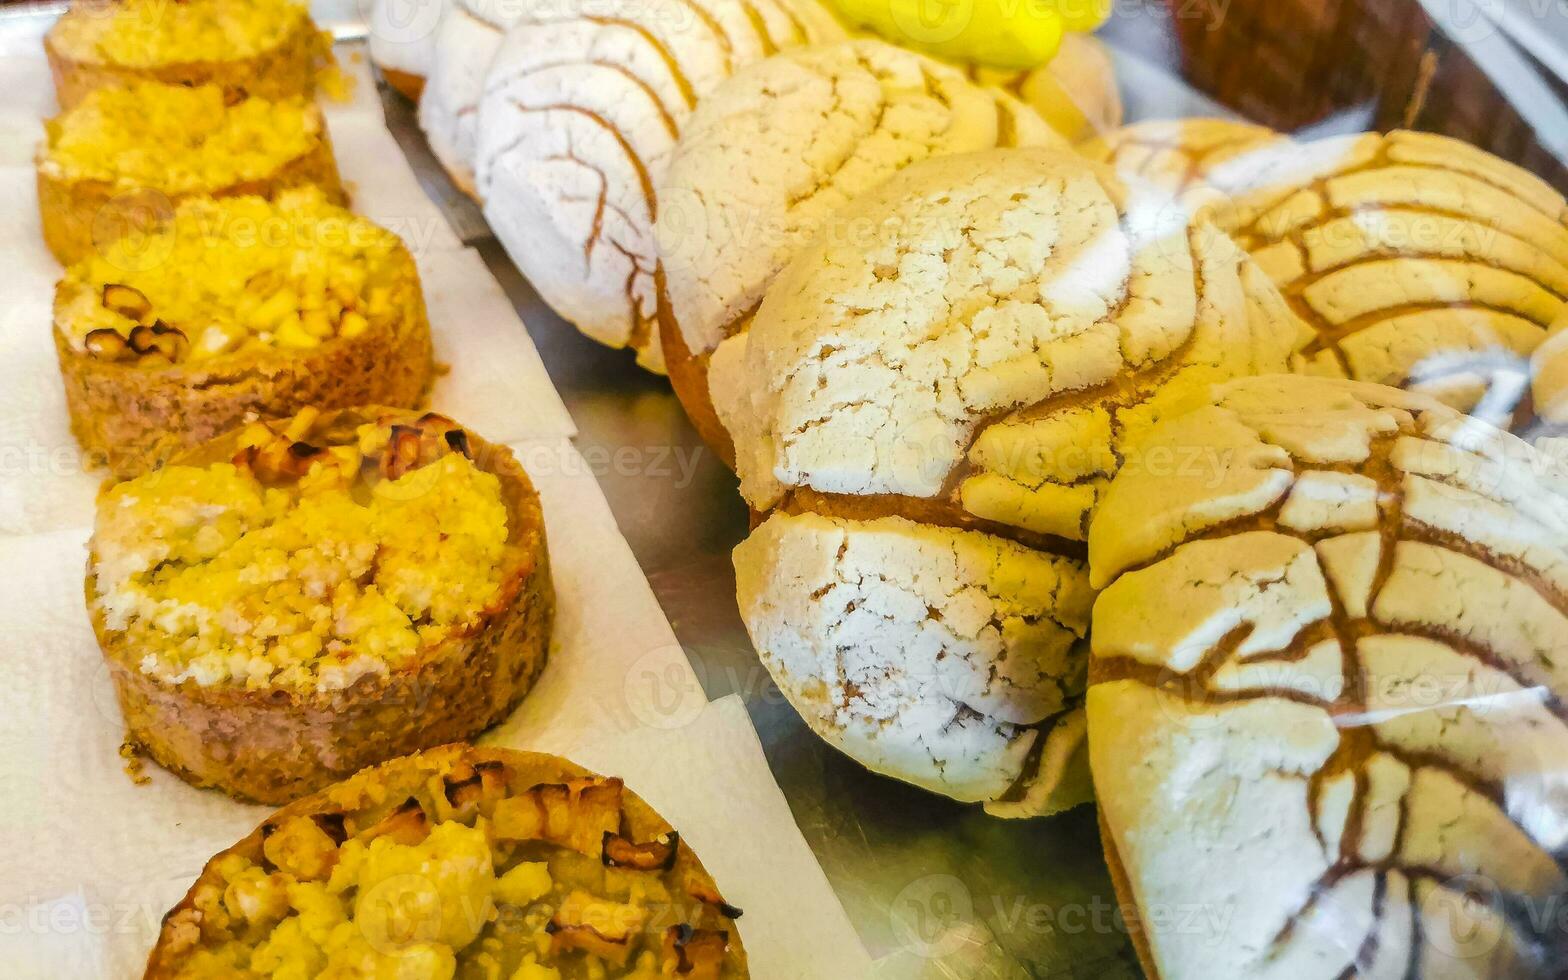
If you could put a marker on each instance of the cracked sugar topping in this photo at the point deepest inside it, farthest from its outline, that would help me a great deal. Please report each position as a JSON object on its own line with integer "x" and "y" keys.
{"x": 774, "y": 154}
{"x": 235, "y": 275}
{"x": 298, "y": 565}
{"x": 1341, "y": 621}
{"x": 148, "y": 33}
{"x": 1420, "y": 261}
{"x": 1002, "y": 322}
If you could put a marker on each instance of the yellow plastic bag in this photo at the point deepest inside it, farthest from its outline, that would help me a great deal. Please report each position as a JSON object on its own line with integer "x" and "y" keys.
{"x": 996, "y": 33}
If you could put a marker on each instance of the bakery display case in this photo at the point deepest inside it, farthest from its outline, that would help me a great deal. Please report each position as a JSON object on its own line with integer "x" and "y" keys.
{"x": 1124, "y": 489}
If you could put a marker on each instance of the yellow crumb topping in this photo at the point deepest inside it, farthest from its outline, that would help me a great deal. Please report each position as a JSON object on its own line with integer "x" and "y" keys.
{"x": 176, "y": 139}
{"x": 394, "y": 909}
{"x": 238, "y": 274}
{"x": 214, "y": 576}
{"x": 148, "y": 33}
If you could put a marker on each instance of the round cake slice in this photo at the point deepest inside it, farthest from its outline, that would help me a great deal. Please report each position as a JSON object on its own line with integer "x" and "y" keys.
{"x": 299, "y": 599}
{"x": 126, "y": 155}
{"x": 1326, "y": 698}
{"x": 236, "y": 308}
{"x": 457, "y": 862}
{"x": 265, "y": 48}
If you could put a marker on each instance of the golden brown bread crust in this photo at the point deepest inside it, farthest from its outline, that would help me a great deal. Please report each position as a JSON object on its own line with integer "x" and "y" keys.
{"x": 408, "y": 83}
{"x": 271, "y": 746}
{"x": 131, "y": 417}
{"x": 688, "y": 374}
{"x": 366, "y": 796}
{"x": 287, "y": 70}
{"x": 80, "y": 217}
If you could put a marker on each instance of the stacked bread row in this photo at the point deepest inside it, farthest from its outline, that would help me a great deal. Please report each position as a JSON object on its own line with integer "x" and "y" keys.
{"x": 987, "y": 408}
{"x": 565, "y": 123}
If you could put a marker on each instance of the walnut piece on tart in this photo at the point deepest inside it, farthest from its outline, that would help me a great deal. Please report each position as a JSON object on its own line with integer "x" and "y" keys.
{"x": 123, "y": 157}
{"x": 419, "y": 868}
{"x": 236, "y": 308}
{"x": 1326, "y": 696}
{"x": 266, "y": 48}
{"x": 302, "y": 598}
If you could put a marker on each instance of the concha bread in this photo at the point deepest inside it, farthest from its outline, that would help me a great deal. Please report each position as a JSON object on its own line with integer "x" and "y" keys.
{"x": 465, "y": 45}
{"x": 1420, "y": 260}
{"x": 772, "y": 156}
{"x": 580, "y": 116}
{"x": 1076, "y": 92}
{"x": 1326, "y": 702}
{"x": 927, "y": 413}
{"x": 402, "y": 36}
{"x": 1179, "y": 154}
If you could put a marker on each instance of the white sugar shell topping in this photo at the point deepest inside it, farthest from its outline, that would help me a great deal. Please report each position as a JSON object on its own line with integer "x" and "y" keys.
{"x": 1329, "y": 675}
{"x": 465, "y": 44}
{"x": 1002, "y": 320}
{"x": 934, "y": 655}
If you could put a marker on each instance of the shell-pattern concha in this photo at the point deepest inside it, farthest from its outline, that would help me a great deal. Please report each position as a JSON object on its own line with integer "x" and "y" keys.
{"x": 770, "y": 160}
{"x": 781, "y": 148}
{"x": 580, "y": 114}
{"x": 1327, "y": 671}
{"x": 1420, "y": 261}
{"x": 930, "y": 413}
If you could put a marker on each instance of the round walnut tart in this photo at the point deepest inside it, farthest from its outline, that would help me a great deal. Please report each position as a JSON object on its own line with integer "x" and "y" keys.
{"x": 299, "y": 599}
{"x": 457, "y": 862}
{"x": 236, "y": 308}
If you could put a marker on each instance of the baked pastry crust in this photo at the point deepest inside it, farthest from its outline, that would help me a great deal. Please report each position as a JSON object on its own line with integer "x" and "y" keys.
{"x": 81, "y": 214}
{"x": 273, "y": 744}
{"x": 773, "y": 155}
{"x": 1325, "y": 672}
{"x": 927, "y": 416}
{"x": 287, "y": 68}
{"x": 131, "y": 413}
{"x": 602, "y": 842}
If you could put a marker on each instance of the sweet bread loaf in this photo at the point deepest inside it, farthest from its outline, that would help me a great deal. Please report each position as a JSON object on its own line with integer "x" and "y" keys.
{"x": 1420, "y": 261}
{"x": 124, "y": 156}
{"x": 580, "y": 116}
{"x": 925, "y": 416}
{"x": 1325, "y": 705}
{"x": 402, "y": 40}
{"x": 769, "y": 160}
